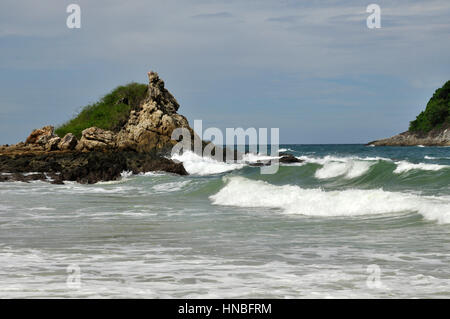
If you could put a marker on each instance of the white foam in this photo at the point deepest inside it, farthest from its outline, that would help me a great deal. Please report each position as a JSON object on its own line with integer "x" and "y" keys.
{"x": 197, "y": 165}
{"x": 435, "y": 158}
{"x": 148, "y": 174}
{"x": 126, "y": 174}
{"x": 253, "y": 158}
{"x": 291, "y": 199}
{"x": 41, "y": 208}
{"x": 170, "y": 187}
{"x": 349, "y": 169}
{"x": 329, "y": 158}
{"x": 404, "y": 166}
{"x": 285, "y": 150}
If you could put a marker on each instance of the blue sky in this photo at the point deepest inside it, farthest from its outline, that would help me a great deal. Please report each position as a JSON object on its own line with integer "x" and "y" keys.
{"x": 311, "y": 68}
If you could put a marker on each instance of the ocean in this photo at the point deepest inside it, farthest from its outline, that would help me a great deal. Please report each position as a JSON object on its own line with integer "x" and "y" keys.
{"x": 351, "y": 221}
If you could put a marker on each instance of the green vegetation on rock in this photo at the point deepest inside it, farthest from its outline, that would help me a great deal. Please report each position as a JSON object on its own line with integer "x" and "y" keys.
{"x": 436, "y": 114}
{"x": 110, "y": 113}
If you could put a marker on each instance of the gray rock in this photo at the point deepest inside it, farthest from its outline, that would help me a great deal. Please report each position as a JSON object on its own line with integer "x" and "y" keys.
{"x": 95, "y": 138}
{"x": 68, "y": 142}
{"x": 151, "y": 126}
{"x": 288, "y": 158}
{"x": 52, "y": 144}
{"x": 41, "y": 136}
{"x": 158, "y": 93}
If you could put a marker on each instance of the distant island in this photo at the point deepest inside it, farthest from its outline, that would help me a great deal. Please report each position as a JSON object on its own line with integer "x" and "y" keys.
{"x": 430, "y": 128}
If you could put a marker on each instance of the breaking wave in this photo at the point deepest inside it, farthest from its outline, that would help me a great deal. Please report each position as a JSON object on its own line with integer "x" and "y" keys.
{"x": 348, "y": 169}
{"x": 404, "y": 166}
{"x": 198, "y": 165}
{"x": 292, "y": 199}
{"x": 353, "y": 167}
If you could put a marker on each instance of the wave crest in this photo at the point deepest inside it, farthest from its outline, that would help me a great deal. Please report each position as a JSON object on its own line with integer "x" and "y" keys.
{"x": 350, "y": 169}
{"x": 404, "y": 166}
{"x": 198, "y": 165}
{"x": 243, "y": 192}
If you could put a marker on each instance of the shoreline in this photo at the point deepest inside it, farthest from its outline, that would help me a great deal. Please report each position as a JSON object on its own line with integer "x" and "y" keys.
{"x": 436, "y": 137}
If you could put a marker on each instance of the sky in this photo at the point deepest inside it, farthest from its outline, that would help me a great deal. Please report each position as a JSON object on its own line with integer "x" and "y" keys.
{"x": 311, "y": 68}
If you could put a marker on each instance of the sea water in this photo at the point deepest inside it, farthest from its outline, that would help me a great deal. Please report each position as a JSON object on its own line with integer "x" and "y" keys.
{"x": 350, "y": 221}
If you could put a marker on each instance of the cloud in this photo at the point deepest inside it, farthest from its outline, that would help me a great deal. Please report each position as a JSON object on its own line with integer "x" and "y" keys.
{"x": 213, "y": 15}
{"x": 249, "y": 55}
{"x": 285, "y": 19}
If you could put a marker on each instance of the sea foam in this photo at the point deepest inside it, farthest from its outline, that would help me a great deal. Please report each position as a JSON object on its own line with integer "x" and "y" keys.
{"x": 349, "y": 169}
{"x": 404, "y": 166}
{"x": 292, "y": 199}
{"x": 198, "y": 165}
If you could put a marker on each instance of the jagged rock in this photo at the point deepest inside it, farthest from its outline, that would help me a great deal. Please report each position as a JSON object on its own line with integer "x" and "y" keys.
{"x": 288, "y": 158}
{"x": 158, "y": 93}
{"x": 53, "y": 143}
{"x": 68, "y": 142}
{"x": 151, "y": 126}
{"x": 40, "y": 139}
{"x": 95, "y": 138}
{"x": 41, "y": 136}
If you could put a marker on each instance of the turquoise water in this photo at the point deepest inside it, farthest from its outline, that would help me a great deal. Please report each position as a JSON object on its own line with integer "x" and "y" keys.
{"x": 351, "y": 221}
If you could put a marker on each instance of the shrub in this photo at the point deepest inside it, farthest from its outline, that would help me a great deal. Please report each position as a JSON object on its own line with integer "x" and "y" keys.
{"x": 110, "y": 113}
{"x": 436, "y": 113}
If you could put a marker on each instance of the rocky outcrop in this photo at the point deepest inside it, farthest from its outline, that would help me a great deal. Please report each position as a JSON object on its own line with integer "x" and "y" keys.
{"x": 82, "y": 167}
{"x": 148, "y": 128}
{"x": 68, "y": 142}
{"x": 151, "y": 126}
{"x": 436, "y": 137}
{"x": 95, "y": 138}
{"x": 285, "y": 158}
{"x": 102, "y": 155}
{"x": 52, "y": 144}
{"x": 160, "y": 95}
{"x": 42, "y": 140}
{"x": 41, "y": 136}
{"x": 289, "y": 159}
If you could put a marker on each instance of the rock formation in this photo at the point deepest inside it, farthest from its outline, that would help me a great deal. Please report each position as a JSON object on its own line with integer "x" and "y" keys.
{"x": 95, "y": 138}
{"x": 68, "y": 142}
{"x": 138, "y": 146}
{"x": 436, "y": 137}
{"x": 148, "y": 128}
{"x": 289, "y": 159}
{"x": 40, "y": 136}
